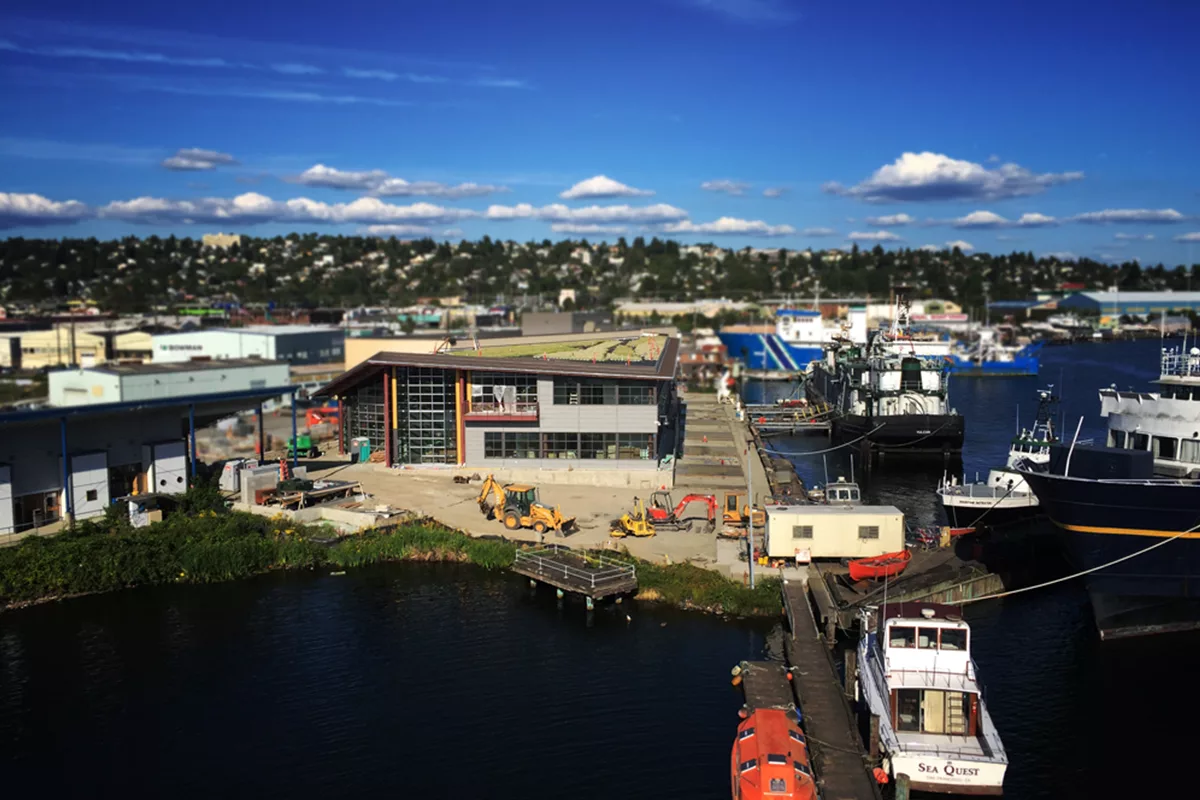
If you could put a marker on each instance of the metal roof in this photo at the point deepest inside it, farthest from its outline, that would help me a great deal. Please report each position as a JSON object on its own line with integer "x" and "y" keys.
{"x": 198, "y": 400}
{"x": 143, "y": 368}
{"x": 1139, "y": 297}
{"x": 663, "y": 369}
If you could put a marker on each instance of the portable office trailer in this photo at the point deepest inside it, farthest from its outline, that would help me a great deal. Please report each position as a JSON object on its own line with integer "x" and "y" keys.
{"x": 805, "y": 532}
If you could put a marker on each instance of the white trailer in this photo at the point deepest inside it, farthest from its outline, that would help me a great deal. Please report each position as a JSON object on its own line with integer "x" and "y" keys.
{"x": 805, "y": 532}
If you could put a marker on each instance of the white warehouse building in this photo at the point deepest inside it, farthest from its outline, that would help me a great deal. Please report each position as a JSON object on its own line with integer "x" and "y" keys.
{"x": 295, "y": 344}
{"x": 127, "y": 383}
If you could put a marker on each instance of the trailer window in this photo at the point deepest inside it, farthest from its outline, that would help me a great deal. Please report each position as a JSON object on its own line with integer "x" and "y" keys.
{"x": 802, "y": 531}
{"x": 902, "y": 637}
{"x": 954, "y": 639}
{"x": 868, "y": 531}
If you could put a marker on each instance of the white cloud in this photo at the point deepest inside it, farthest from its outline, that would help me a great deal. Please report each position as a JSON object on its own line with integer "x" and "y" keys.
{"x": 730, "y": 226}
{"x": 396, "y": 230}
{"x": 1035, "y": 220}
{"x": 585, "y": 229}
{"x": 600, "y": 215}
{"x": 1162, "y": 215}
{"x": 297, "y": 69}
{"x": 1062, "y": 255}
{"x": 775, "y": 191}
{"x": 736, "y": 188}
{"x": 961, "y": 245}
{"x": 916, "y": 177}
{"x": 872, "y": 236}
{"x": 388, "y": 75}
{"x": 194, "y": 158}
{"x": 930, "y": 248}
{"x": 818, "y": 232}
{"x": 33, "y": 209}
{"x": 602, "y": 186}
{"x": 890, "y": 221}
{"x": 453, "y": 233}
{"x": 1188, "y": 237}
{"x": 251, "y": 208}
{"x": 380, "y": 183}
{"x": 1134, "y": 237}
{"x": 981, "y": 219}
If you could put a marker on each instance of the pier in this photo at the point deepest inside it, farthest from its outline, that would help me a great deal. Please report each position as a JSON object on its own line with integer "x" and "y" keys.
{"x": 593, "y": 576}
{"x": 776, "y": 420}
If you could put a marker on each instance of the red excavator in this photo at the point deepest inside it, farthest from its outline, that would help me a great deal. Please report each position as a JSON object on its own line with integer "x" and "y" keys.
{"x": 664, "y": 514}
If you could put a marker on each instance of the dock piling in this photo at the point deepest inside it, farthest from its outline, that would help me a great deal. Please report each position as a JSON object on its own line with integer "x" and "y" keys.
{"x": 874, "y": 744}
{"x": 851, "y": 662}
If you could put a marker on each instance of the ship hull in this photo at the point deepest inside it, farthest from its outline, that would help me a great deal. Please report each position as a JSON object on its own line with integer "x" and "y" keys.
{"x": 990, "y": 514}
{"x": 1101, "y": 522}
{"x": 910, "y": 433}
{"x": 768, "y": 350}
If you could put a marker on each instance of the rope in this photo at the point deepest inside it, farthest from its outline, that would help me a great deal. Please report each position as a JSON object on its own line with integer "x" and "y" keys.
{"x": 829, "y": 449}
{"x": 1112, "y": 563}
{"x": 1012, "y": 485}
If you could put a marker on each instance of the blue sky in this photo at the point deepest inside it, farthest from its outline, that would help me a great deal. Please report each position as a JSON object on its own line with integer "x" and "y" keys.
{"x": 1046, "y": 126}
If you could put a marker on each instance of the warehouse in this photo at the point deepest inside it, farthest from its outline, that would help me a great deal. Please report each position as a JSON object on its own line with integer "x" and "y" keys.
{"x": 1130, "y": 303}
{"x": 607, "y": 406}
{"x": 123, "y": 383}
{"x": 295, "y": 344}
{"x": 73, "y": 461}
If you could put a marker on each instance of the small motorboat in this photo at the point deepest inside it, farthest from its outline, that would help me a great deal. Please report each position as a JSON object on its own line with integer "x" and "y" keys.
{"x": 888, "y": 565}
{"x": 959, "y": 531}
{"x": 770, "y": 758}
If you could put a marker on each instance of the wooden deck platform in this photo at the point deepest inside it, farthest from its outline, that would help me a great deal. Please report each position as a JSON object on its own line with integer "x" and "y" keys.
{"x": 834, "y": 743}
{"x": 765, "y": 685}
{"x": 592, "y": 576}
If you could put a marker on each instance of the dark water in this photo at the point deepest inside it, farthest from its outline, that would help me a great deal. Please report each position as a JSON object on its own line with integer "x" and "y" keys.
{"x": 438, "y": 681}
{"x": 399, "y": 681}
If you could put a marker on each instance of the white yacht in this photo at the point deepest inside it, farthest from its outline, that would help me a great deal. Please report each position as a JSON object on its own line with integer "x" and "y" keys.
{"x": 1166, "y": 422}
{"x": 1005, "y": 496}
{"x": 916, "y": 674}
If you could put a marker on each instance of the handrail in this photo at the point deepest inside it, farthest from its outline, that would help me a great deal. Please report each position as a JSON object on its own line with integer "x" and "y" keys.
{"x": 544, "y": 561}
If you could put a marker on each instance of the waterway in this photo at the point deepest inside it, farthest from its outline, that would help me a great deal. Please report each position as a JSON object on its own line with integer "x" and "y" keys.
{"x": 420, "y": 680}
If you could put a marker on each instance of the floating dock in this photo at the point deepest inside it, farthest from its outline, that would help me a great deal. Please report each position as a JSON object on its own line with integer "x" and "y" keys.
{"x": 766, "y": 685}
{"x": 830, "y": 722}
{"x": 593, "y": 576}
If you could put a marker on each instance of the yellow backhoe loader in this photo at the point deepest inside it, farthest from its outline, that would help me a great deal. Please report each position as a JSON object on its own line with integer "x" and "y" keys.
{"x": 737, "y": 512}
{"x": 517, "y": 506}
{"x": 634, "y": 523}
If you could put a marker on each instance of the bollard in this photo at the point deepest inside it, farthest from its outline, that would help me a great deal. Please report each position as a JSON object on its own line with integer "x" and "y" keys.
{"x": 851, "y": 657}
{"x": 874, "y": 737}
{"x": 901, "y": 787}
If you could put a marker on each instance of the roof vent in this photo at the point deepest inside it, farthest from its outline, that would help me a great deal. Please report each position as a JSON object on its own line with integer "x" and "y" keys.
{"x": 928, "y": 613}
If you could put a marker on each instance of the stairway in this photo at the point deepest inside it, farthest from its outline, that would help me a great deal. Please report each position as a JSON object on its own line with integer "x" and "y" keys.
{"x": 956, "y": 717}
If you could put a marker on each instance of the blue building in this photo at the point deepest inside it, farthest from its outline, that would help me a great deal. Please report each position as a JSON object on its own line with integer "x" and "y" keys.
{"x": 1107, "y": 304}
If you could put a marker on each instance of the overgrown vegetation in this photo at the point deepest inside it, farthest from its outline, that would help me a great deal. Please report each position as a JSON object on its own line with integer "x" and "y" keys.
{"x": 203, "y": 543}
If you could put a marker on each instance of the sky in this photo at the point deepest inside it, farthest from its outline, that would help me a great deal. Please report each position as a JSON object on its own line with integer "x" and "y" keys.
{"x": 1053, "y": 127}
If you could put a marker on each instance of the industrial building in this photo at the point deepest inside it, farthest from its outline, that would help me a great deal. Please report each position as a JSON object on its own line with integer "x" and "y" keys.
{"x": 72, "y": 461}
{"x": 66, "y": 345}
{"x": 124, "y": 383}
{"x": 606, "y": 406}
{"x": 295, "y": 344}
{"x": 1130, "y": 303}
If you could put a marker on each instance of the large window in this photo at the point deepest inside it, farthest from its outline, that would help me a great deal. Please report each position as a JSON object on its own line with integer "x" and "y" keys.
{"x": 510, "y": 444}
{"x": 597, "y": 445}
{"x": 568, "y": 392}
{"x": 1141, "y": 441}
{"x": 560, "y": 445}
{"x": 1189, "y": 451}
{"x": 1165, "y": 447}
{"x": 498, "y": 444}
{"x": 635, "y": 445}
{"x": 635, "y": 395}
{"x": 1116, "y": 439}
{"x": 908, "y": 709}
{"x": 902, "y": 636}
{"x": 933, "y": 711}
{"x": 483, "y": 387}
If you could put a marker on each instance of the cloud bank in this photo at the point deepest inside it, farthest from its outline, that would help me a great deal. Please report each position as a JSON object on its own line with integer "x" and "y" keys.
{"x": 922, "y": 177}
{"x": 602, "y": 186}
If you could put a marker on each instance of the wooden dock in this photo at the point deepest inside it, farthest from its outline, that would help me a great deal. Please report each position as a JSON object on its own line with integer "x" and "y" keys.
{"x": 834, "y": 743}
{"x": 777, "y": 420}
{"x": 766, "y": 685}
{"x": 593, "y": 576}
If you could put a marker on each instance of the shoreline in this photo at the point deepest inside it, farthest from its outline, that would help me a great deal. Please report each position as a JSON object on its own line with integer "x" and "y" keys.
{"x": 208, "y": 546}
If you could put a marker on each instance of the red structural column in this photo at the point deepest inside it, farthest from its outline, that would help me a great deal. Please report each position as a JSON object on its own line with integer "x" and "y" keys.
{"x": 387, "y": 418}
{"x": 341, "y": 427}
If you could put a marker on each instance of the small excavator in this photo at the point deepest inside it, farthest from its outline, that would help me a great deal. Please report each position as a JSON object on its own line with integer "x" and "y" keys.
{"x": 666, "y": 514}
{"x": 518, "y": 506}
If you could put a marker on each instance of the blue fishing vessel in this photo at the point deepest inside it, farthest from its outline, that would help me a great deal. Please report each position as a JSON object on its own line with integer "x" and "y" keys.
{"x": 797, "y": 338}
{"x": 991, "y": 359}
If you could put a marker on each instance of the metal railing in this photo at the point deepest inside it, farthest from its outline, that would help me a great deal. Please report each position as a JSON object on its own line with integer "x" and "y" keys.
{"x": 1179, "y": 365}
{"x": 557, "y": 560}
{"x": 518, "y": 409}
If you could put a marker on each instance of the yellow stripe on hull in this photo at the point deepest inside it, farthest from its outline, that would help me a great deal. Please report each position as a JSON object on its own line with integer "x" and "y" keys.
{"x": 1127, "y": 531}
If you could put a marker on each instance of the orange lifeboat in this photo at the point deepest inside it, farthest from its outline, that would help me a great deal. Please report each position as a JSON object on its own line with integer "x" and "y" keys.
{"x": 770, "y": 759}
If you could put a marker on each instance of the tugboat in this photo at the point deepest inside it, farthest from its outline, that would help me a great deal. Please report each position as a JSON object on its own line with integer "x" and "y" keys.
{"x": 893, "y": 395}
{"x": 770, "y": 759}
{"x": 916, "y": 674}
{"x": 1113, "y": 504}
{"x": 1005, "y": 497}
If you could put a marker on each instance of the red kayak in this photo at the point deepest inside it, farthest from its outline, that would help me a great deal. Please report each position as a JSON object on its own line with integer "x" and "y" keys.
{"x": 888, "y": 565}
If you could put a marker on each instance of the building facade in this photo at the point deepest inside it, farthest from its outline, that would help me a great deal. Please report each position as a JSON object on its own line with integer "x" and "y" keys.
{"x": 1130, "y": 303}
{"x": 295, "y": 344}
{"x": 121, "y": 383}
{"x": 495, "y": 413}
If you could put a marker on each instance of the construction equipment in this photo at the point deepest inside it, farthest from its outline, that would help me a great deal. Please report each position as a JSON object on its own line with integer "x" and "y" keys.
{"x": 518, "y": 506}
{"x": 315, "y": 416}
{"x": 737, "y": 512}
{"x": 634, "y": 523}
{"x": 304, "y": 445}
{"x": 664, "y": 513}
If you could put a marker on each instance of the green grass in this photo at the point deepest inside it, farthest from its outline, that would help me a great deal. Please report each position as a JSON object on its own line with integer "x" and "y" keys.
{"x": 206, "y": 545}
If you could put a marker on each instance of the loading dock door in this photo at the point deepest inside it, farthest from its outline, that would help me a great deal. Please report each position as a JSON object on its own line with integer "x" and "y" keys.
{"x": 89, "y": 484}
{"x": 170, "y": 468}
{"x": 6, "y": 499}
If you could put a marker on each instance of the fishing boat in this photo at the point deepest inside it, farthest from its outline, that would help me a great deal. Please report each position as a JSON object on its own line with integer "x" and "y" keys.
{"x": 1004, "y": 497}
{"x": 916, "y": 675}
{"x": 770, "y": 759}
{"x": 888, "y": 565}
{"x": 795, "y": 340}
{"x": 988, "y": 357}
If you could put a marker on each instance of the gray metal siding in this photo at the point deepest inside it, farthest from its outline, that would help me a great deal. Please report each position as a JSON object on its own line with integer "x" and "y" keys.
{"x": 316, "y": 347}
